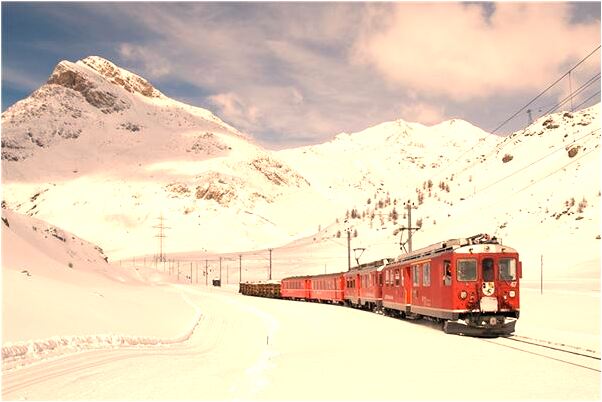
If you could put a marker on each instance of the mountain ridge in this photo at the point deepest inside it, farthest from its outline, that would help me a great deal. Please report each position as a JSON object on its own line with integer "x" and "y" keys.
{"x": 111, "y": 182}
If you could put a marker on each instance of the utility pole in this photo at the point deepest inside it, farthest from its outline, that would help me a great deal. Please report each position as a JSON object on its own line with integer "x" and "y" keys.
{"x": 270, "y": 277}
{"x": 409, "y": 206}
{"x": 348, "y": 249}
{"x": 530, "y": 117}
{"x": 161, "y": 236}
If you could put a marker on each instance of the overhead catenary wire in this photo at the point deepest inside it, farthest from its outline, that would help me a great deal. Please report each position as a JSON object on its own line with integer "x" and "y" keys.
{"x": 587, "y": 100}
{"x": 573, "y": 95}
{"x": 507, "y": 120}
{"x": 545, "y": 90}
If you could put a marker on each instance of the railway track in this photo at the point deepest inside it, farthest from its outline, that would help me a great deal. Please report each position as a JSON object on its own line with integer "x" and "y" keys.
{"x": 580, "y": 357}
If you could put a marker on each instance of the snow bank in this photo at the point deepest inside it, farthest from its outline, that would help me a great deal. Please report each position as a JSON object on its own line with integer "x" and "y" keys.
{"x": 22, "y": 353}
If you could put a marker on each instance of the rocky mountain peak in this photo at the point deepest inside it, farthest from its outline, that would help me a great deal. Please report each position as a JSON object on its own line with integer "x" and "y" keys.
{"x": 69, "y": 75}
{"x": 129, "y": 81}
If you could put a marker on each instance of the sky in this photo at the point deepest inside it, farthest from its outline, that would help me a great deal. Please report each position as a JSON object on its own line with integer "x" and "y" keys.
{"x": 292, "y": 74}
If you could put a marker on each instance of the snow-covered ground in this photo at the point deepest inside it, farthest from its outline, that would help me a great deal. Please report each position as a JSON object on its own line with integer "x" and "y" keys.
{"x": 132, "y": 331}
{"x": 263, "y": 349}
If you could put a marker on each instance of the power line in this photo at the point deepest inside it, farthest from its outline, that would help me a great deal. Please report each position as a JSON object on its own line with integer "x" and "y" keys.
{"x": 546, "y": 90}
{"x": 572, "y": 95}
{"x": 440, "y": 175}
{"x": 533, "y": 163}
{"x": 588, "y": 99}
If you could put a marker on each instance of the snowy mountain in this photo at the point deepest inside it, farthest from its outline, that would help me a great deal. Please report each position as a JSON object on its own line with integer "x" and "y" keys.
{"x": 390, "y": 157}
{"x": 101, "y": 152}
{"x": 537, "y": 189}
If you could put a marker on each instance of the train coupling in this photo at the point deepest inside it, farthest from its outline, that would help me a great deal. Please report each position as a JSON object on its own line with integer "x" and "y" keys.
{"x": 483, "y": 326}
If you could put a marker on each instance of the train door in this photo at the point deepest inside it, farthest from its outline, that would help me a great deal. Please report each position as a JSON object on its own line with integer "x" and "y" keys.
{"x": 398, "y": 286}
{"x": 487, "y": 276}
{"x": 408, "y": 280}
{"x": 307, "y": 288}
{"x": 488, "y": 303}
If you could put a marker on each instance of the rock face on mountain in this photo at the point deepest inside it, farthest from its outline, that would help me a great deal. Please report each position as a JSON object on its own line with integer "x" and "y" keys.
{"x": 93, "y": 99}
{"x": 70, "y": 78}
{"x": 125, "y": 79}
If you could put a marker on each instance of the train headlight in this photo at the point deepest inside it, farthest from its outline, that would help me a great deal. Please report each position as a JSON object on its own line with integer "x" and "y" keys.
{"x": 463, "y": 295}
{"x": 512, "y": 293}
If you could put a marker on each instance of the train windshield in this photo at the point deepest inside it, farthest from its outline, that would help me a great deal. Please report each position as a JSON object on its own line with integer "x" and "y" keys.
{"x": 507, "y": 269}
{"x": 467, "y": 270}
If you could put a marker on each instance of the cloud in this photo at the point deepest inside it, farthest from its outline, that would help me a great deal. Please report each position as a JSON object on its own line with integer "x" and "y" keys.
{"x": 422, "y": 113}
{"x": 303, "y": 72}
{"x": 462, "y": 52}
{"x": 235, "y": 109}
{"x": 153, "y": 65}
{"x": 20, "y": 79}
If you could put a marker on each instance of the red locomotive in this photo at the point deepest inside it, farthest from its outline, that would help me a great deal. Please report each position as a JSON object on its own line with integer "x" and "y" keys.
{"x": 471, "y": 285}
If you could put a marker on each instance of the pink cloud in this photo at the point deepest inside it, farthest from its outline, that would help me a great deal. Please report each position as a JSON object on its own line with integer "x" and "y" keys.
{"x": 453, "y": 50}
{"x": 234, "y": 108}
{"x": 424, "y": 113}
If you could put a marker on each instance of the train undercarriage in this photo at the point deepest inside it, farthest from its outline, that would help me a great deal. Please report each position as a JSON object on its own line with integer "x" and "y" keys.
{"x": 481, "y": 325}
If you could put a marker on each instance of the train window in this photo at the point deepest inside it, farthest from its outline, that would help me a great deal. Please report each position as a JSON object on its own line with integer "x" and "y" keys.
{"x": 488, "y": 275}
{"x": 397, "y": 278}
{"x": 387, "y": 278}
{"x": 447, "y": 276}
{"x": 426, "y": 274}
{"x": 507, "y": 269}
{"x": 467, "y": 270}
{"x": 416, "y": 275}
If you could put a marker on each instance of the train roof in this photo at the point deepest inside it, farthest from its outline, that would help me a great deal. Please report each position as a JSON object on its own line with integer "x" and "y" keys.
{"x": 379, "y": 264}
{"x": 479, "y": 243}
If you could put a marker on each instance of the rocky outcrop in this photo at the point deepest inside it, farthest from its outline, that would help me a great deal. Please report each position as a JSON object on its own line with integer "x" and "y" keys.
{"x": 277, "y": 173}
{"x": 128, "y": 81}
{"x": 68, "y": 77}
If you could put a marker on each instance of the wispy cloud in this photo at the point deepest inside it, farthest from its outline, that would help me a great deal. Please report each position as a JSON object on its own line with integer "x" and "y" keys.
{"x": 20, "y": 79}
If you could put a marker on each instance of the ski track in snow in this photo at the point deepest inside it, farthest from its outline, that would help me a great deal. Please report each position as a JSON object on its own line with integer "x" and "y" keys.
{"x": 19, "y": 354}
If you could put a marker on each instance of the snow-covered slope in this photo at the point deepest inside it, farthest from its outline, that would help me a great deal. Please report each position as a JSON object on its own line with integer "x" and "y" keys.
{"x": 390, "y": 157}
{"x": 101, "y": 152}
{"x": 56, "y": 284}
{"x": 538, "y": 189}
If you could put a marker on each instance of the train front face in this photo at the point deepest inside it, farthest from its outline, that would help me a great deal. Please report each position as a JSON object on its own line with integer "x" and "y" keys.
{"x": 486, "y": 290}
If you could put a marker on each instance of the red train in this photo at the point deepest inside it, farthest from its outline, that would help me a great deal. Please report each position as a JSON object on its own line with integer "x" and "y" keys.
{"x": 471, "y": 285}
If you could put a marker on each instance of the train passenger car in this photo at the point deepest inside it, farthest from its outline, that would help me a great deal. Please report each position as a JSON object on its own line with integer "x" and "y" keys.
{"x": 363, "y": 285}
{"x": 471, "y": 284}
{"x": 327, "y": 288}
{"x": 395, "y": 299}
{"x": 296, "y": 288}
